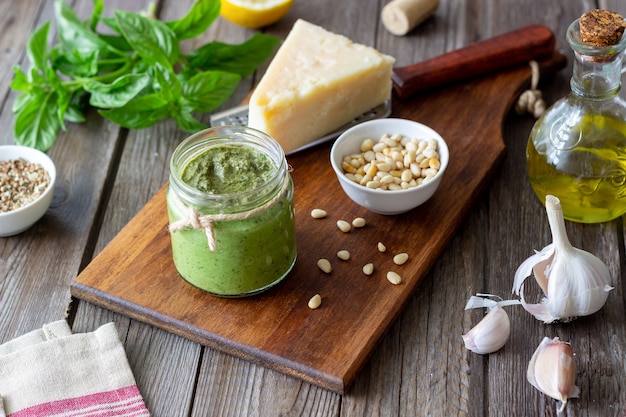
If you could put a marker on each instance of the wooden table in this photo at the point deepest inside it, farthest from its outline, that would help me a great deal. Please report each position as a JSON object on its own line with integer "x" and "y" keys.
{"x": 106, "y": 175}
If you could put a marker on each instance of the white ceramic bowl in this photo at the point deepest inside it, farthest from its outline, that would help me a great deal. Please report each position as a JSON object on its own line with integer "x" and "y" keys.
{"x": 386, "y": 201}
{"x": 18, "y": 220}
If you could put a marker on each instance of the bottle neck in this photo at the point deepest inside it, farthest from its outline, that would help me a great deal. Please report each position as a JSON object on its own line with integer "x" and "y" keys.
{"x": 597, "y": 69}
{"x": 596, "y": 80}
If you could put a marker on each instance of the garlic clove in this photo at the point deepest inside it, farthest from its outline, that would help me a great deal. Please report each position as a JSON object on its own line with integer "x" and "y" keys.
{"x": 575, "y": 282}
{"x": 490, "y": 334}
{"x": 552, "y": 370}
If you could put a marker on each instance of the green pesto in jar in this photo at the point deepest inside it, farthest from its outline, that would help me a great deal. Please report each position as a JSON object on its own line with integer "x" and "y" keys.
{"x": 251, "y": 254}
{"x": 228, "y": 169}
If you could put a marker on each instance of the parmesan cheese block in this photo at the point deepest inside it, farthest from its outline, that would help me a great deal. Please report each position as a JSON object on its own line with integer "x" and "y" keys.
{"x": 317, "y": 82}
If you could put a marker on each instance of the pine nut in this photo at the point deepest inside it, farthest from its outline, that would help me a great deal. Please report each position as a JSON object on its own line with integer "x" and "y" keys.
{"x": 401, "y": 258}
{"x": 358, "y": 222}
{"x": 387, "y": 179}
{"x": 381, "y": 247}
{"x": 372, "y": 170}
{"x": 348, "y": 168}
{"x": 367, "y": 145}
{"x": 395, "y": 154}
{"x": 318, "y": 213}
{"x": 344, "y": 255}
{"x": 368, "y": 269}
{"x": 385, "y": 167}
{"x": 324, "y": 265}
{"x": 344, "y": 226}
{"x": 315, "y": 301}
{"x": 379, "y": 147}
{"x": 394, "y": 277}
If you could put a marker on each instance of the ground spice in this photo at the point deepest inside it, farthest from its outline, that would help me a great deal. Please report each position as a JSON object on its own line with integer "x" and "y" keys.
{"x": 21, "y": 182}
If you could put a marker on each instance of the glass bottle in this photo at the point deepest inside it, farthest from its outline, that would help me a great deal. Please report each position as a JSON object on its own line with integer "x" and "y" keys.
{"x": 577, "y": 149}
{"x": 239, "y": 241}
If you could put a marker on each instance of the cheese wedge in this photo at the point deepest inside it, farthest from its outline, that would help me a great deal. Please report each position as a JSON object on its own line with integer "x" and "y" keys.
{"x": 317, "y": 82}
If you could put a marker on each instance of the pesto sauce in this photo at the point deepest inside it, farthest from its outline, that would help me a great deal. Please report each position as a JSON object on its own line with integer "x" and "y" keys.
{"x": 253, "y": 253}
{"x": 228, "y": 169}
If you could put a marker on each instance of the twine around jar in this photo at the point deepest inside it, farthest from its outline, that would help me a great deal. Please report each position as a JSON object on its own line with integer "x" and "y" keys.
{"x": 193, "y": 219}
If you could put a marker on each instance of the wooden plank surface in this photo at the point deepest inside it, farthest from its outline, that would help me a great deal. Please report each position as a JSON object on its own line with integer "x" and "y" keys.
{"x": 135, "y": 274}
{"x": 420, "y": 367}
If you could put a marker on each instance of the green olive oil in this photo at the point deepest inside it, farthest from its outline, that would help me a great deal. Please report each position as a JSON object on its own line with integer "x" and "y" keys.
{"x": 587, "y": 171}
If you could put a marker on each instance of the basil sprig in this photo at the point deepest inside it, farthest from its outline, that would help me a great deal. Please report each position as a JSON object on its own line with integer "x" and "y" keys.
{"x": 135, "y": 76}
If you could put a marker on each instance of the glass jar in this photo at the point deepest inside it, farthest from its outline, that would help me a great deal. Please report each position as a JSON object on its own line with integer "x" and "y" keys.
{"x": 577, "y": 149}
{"x": 231, "y": 213}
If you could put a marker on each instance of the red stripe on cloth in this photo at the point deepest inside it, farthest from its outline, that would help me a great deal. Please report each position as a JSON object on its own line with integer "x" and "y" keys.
{"x": 122, "y": 402}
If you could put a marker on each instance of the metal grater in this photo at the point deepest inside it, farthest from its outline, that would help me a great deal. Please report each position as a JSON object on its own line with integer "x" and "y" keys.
{"x": 238, "y": 116}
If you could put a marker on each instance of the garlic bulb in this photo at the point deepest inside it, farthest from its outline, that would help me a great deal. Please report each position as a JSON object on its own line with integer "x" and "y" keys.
{"x": 575, "y": 282}
{"x": 552, "y": 370}
{"x": 493, "y": 331}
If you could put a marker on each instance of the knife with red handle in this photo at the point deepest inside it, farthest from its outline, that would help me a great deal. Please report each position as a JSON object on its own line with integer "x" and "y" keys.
{"x": 520, "y": 46}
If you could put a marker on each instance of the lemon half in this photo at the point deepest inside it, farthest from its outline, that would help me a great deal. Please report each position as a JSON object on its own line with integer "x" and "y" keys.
{"x": 254, "y": 14}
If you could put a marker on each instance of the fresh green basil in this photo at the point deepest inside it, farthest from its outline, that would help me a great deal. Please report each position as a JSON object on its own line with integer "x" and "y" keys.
{"x": 240, "y": 59}
{"x": 197, "y": 20}
{"x": 135, "y": 74}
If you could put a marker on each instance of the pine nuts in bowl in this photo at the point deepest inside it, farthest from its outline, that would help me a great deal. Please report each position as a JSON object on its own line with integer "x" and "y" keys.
{"x": 27, "y": 178}
{"x": 389, "y": 166}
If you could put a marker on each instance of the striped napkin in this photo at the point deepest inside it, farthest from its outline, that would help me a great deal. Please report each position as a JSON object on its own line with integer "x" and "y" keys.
{"x": 52, "y": 372}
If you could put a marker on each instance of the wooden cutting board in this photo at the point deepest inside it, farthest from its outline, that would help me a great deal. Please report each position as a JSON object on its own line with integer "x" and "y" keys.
{"x": 135, "y": 276}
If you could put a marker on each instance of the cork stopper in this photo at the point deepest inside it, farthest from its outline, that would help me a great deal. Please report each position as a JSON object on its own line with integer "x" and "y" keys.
{"x": 601, "y": 27}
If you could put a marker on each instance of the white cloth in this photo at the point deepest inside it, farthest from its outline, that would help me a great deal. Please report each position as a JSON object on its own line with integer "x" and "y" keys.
{"x": 52, "y": 372}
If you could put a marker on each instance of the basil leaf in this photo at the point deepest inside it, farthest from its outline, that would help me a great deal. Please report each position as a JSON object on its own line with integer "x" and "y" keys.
{"x": 73, "y": 114}
{"x": 118, "y": 93}
{"x": 151, "y": 39}
{"x": 135, "y": 76}
{"x": 166, "y": 83}
{"x": 74, "y": 63}
{"x": 185, "y": 120}
{"x": 37, "y": 48}
{"x": 140, "y": 112}
{"x": 21, "y": 100}
{"x": 36, "y": 124}
{"x": 72, "y": 34}
{"x": 208, "y": 90}
{"x": 20, "y": 81}
{"x": 197, "y": 20}
{"x": 241, "y": 59}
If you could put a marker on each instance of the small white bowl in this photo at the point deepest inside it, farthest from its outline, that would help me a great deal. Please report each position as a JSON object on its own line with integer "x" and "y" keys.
{"x": 18, "y": 220}
{"x": 378, "y": 200}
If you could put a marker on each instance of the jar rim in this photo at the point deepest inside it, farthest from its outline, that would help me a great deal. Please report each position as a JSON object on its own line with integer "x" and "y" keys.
{"x": 230, "y": 136}
{"x": 573, "y": 37}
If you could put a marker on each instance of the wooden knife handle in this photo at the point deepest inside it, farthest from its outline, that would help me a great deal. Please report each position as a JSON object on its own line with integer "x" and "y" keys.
{"x": 510, "y": 49}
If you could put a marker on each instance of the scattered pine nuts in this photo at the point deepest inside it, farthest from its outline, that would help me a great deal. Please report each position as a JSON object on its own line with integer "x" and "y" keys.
{"x": 344, "y": 255}
{"x": 315, "y": 301}
{"x": 358, "y": 222}
{"x": 381, "y": 247}
{"x": 401, "y": 258}
{"x": 344, "y": 226}
{"x": 324, "y": 265}
{"x": 394, "y": 277}
{"x": 393, "y": 162}
{"x": 318, "y": 213}
{"x": 368, "y": 269}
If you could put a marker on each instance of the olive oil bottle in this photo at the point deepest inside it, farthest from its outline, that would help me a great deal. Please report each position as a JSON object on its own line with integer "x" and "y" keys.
{"x": 577, "y": 149}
